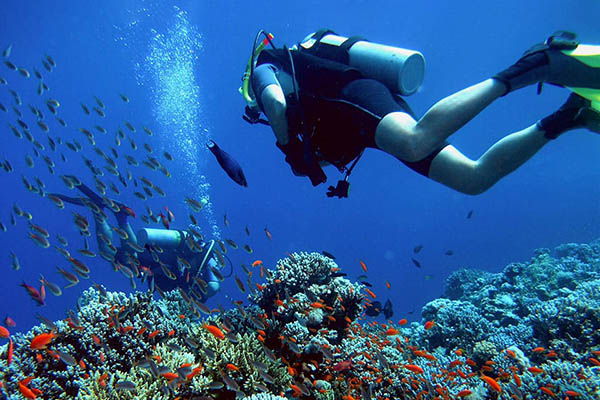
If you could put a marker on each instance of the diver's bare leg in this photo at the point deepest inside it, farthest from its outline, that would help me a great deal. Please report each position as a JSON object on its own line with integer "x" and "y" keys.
{"x": 401, "y": 136}
{"x": 451, "y": 168}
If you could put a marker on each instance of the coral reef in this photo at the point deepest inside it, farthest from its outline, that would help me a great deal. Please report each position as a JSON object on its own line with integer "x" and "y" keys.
{"x": 530, "y": 331}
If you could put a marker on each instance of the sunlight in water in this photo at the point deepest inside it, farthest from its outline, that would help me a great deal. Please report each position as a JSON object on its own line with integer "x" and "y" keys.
{"x": 170, "y": 64}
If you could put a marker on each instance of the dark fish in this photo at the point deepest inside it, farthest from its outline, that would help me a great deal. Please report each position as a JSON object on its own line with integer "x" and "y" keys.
{"x": 373, "y": 309}
{"x": 416, "y": 262}
{"x": 418, "y": 248}
{"x": 388, "y": 311}
{"x": 367, "y": 284}
{"x": 328, "y": 254}
{"x": 470, "y": 214}
{"x": 229, "y": 165}
{"x": 7, "y": 51}
{"x": 449, "y": 252}
{"x": 338, "y": 274}
{"x": 10, "y": 65}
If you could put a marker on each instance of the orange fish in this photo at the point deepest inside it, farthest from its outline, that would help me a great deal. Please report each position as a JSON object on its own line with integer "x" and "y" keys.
{"x": 517, "y": 379}
{"x": 96, "y": 339}
{"x": 429, "y": 325}
{"x": 26, "y": 392}
{"x": 42, "y": 340}
{"x": 216, "y": 332}
{"x": 4, "y": 333}
{"x": 9, "y": 353}
{"x": 152, "y": 334}
{"x": 572, "y": 393}
{"x": 511, "y": 353}
{"x": 539, "y": 350}
{"x": 169, "y": 376}
{"x": 363, "y": 265}
{"x": 370, "y": 293}
{"x": 316, "y": 304}
{"x": 392, "y": 331}
{"x": 535, "y": 370}
{"x": 257, "y": 263}
{"x": 403, "y": 321}
{"x": 492, "y": 382}
{"x": 414, "y": 368}
{"x": 387, "y": 285}
{"x": 232, "y": 367}
{"x": 464, "y": 393}
{"x": 26, "y": 380}
{"x": 547, "y": 391}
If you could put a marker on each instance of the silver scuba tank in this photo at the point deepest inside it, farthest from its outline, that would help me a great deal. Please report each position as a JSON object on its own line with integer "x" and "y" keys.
{"x": 164, "y": 238}
{"x": 401, "y": 70}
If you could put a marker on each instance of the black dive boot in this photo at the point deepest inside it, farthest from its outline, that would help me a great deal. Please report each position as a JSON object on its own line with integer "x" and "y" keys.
{"x": 546, "y": 62}
{"x": 577, "y": 112}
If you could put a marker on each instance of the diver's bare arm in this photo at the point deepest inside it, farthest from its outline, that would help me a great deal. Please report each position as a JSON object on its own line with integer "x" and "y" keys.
{"x": 274, "y": 105}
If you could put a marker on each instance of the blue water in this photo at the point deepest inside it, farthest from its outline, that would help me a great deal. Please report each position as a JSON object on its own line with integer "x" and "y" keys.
{"x": 181, "y": 67}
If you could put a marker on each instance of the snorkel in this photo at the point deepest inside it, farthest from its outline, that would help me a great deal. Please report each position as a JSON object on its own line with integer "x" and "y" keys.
{"x": 256, "y": 49}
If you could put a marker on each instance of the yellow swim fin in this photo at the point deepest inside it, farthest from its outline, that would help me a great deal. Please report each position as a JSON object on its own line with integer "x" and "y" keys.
{"x": 590, "y": 56}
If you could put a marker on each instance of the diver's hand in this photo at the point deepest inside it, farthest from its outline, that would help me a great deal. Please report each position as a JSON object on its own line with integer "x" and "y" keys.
{"x": 294, "y": 156}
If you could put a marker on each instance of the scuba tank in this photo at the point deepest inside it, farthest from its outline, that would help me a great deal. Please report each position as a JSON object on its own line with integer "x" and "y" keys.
{"x": 401, "y": 70}
{"x": 168, "y": 239}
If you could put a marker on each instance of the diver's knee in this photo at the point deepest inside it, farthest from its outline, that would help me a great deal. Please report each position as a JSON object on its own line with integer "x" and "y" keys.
{"x": 477, "y": 182}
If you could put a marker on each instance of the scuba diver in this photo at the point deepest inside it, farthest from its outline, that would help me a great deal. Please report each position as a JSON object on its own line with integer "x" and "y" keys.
{"x": 329, "y": 98}
{"x": 167, "y": 258}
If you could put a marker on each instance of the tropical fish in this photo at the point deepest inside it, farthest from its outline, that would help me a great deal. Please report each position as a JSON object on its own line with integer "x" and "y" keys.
{"x": 6, "y": 52}
{"x": 449, "y": 252}
{"x": 388, "y": 311}
{"x": 72, "y": 278}
{"x": 470, "y": 214}
{"x": 416, "y": 262}
{"x": 39, "y": 240}
{"x": 124, "y": 98}
{"x": 215, "y": 331}
{"x": 54, "y": 288}
{"x": 34, "y": 294}
{"x": 363, "y": 265}
{"x": 268, "y": 233}
{"x": 8, "y": 321}
{"x": 10, "y": 65}
{"x": 328, "y": 254}
{"x": 418, "y": 248}
{"x": 15, "y": 261}
{"x": 228, "y": 164}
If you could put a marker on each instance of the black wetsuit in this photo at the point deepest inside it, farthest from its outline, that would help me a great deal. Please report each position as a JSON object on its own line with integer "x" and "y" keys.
{"x": 341, "y": 109}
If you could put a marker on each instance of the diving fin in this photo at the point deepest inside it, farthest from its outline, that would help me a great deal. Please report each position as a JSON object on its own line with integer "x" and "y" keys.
{"x": 561, "y": 60}
{"x": 590, "y": 56}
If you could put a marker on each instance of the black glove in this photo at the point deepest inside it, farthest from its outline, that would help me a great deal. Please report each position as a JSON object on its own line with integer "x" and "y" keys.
{"x": 302, "y": 161}
{"x": 294, "y": 156}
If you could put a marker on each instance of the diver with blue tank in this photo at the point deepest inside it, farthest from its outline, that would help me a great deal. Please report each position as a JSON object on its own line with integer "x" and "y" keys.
{"x": 329, "y": 98}
{"x": 167, "y": 258}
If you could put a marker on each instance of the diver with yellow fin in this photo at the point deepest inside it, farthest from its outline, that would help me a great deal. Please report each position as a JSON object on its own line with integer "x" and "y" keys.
{"x": 329, "y": 98}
